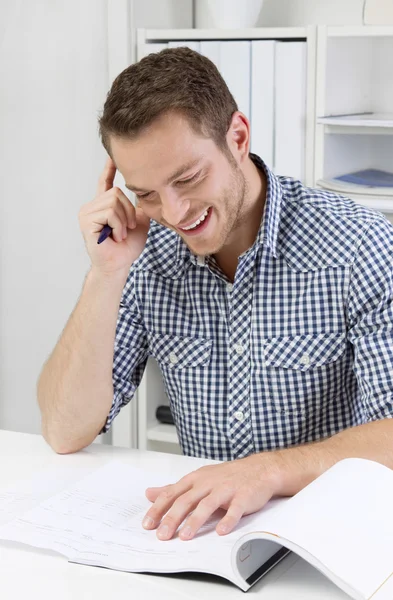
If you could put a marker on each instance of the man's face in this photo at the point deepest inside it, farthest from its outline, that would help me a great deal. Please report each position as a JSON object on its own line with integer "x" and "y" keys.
{"x": 179, "y": 179}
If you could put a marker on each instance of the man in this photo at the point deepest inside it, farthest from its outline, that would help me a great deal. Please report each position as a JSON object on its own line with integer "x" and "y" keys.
{"x": 267, "y": 305}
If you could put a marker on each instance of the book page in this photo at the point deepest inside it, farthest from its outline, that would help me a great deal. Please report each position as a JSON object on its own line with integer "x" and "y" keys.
{"x": 98, "y": 521}
{"x": 25, "y": 494}
{"x": 344, "y": 519}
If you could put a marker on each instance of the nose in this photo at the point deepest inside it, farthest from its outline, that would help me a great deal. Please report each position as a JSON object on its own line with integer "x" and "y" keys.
{"x": 173, "y": 208}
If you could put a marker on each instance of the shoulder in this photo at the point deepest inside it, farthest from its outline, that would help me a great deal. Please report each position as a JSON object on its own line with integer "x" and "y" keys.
{"x": 320, "y": 228}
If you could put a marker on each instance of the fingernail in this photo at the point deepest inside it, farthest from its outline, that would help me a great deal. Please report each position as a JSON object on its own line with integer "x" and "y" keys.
{"x": 163, "y": 532}
{"x": 223, "y": 528}
{"x": 148, "y": 522}
{"x": 186, "y": 532}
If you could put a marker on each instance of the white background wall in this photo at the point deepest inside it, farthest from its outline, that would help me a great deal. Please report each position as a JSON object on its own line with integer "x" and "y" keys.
{"x": 54, "y": 78}
{"x": 311, "y": 12}
{"x": 178, "y": 13}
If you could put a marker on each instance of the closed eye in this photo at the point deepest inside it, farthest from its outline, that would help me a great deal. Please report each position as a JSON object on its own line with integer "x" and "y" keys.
{"x": 179, "y": 182}
{"x": 189, "y": 180}
{"x": 143, "y": 195}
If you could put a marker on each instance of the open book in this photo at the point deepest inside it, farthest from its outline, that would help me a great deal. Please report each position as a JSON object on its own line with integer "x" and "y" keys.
{"x": 342, "y": 524}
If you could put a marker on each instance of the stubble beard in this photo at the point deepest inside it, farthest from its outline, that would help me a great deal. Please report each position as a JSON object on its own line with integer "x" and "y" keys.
{"x": 232, "y": 200}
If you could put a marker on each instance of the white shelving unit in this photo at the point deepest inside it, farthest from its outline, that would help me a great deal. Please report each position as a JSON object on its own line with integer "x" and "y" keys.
{"x": 146, "y": 37}
{"x": 120, "y": 39}
{"x": 151, "y": 434}
{"x": 354, "y": 105}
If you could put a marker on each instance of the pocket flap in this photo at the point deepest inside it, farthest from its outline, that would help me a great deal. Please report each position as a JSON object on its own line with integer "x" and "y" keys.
{"x": 304, "y": 351}
{"x": 179, "y": 352}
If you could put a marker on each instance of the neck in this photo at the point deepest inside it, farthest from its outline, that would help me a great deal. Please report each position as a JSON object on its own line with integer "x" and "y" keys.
{"x": 244, "y": 235}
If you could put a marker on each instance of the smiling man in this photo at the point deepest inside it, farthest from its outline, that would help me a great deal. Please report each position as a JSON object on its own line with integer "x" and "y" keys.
{"x": 268, "y": 305}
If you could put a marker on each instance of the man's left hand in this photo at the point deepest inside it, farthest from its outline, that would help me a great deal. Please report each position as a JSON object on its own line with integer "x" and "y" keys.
{"x": 240, "y": 488}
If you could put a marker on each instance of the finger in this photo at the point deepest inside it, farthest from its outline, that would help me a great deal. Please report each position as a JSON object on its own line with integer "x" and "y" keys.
{"x": 180, "y": 509}
{"x": 242, "y": 504}
{"x": 153, "y": 493}
{"x": 232, "y": 517}
{"x": 107, "y": 176}
{"x": 113, "y": 219}
{"x": 163, "y": 503}
{"x": 128, "y": 207}
{"x": 115, "y": 194}
{"x": 206, "y": 507}
{"x": 97, "y": 210}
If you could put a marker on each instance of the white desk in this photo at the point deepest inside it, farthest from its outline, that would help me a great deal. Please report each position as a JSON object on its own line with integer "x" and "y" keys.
{"x": 37, "y": 575}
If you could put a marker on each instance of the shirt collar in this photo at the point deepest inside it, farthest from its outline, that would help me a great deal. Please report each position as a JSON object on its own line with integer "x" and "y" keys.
{"x": 270, "y": 223}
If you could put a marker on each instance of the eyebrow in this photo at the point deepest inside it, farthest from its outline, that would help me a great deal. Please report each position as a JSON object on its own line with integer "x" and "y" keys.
{"x": 186, "y": 167}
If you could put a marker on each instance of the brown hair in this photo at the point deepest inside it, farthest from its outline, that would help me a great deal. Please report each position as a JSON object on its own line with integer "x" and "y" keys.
{"x": 175, "y": 79}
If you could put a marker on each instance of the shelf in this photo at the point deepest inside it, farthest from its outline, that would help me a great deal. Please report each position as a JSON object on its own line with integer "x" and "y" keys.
{"x": 343, "y": 130}
{"x": 367, "y": 123}
{"x": 163, "y": 433}
{"x": 359, "y": 31}
{"x": 165, "y": 35}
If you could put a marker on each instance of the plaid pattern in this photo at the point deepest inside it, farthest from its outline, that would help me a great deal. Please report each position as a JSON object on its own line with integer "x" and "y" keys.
{"x": 297, "y": 349}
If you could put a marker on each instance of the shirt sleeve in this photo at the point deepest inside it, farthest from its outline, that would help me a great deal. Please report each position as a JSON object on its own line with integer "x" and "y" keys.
{"x": 370, "y": 316}
{"x": 130, "y": 351}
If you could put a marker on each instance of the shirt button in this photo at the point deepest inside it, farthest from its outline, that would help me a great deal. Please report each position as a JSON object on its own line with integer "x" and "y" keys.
{"x": 305, "y": 359}
{"x": 173, "y": 358}
{"x": 229, "y": 287}
{"x": 239, "y": 415}
{"x": 239, "y": 348}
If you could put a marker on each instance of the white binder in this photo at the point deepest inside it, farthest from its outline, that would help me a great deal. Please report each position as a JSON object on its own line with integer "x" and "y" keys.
{"x": 233, "y": 60}
{"x": 290, "y": 106}
{"x": 262, "y": 99}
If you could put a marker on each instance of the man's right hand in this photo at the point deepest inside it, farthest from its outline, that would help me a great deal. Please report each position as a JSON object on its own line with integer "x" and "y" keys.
{"x": 130, "y": 226}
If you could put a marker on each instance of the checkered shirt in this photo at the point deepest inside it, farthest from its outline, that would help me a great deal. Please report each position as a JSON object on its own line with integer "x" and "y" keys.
{"x": 299, "y": 348}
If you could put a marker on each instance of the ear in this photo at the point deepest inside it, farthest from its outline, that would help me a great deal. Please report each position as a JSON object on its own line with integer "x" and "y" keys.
{"x": 238, "y": 137}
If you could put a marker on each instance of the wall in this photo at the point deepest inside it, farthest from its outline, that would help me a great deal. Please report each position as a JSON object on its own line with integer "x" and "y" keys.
{"x": 274, "y": 13}
{"x": 311, "y": 12}
{"x": 54, "y": 79}
{"x": 162, "y": 14}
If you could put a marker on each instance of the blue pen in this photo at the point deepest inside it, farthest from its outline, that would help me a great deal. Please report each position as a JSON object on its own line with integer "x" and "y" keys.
{"x": 105, "y": 232}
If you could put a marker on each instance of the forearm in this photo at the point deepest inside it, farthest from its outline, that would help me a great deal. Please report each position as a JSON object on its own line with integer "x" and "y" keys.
{"x": 244, "y": 486}
{"x": 75, "y": 387}
{"x": 302, "y": 464}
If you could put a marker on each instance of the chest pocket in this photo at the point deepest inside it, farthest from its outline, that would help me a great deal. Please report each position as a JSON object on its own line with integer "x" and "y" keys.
{"x": 184, "y": 364}
{"x": 305, "y": 371}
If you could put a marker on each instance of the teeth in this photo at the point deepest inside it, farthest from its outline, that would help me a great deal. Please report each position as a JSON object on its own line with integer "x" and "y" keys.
{"x": 202, "y": 218}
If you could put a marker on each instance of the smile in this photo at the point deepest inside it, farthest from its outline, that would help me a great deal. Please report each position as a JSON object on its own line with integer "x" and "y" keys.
{"x": 197, "y": 222}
